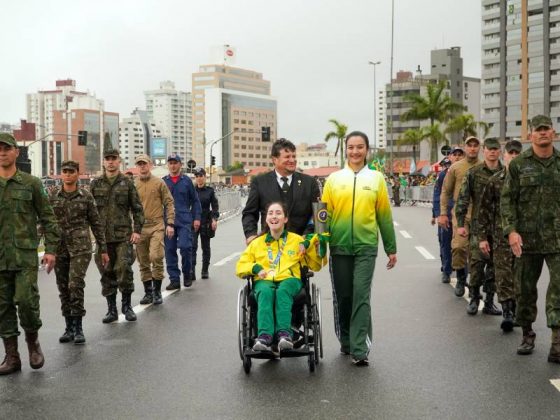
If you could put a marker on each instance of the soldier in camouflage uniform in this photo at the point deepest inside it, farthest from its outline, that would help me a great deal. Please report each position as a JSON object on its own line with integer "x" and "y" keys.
{"x": 480, "y": 266}
{"x": 116, "y": 199}
{"x": 530, "y": 206}
{"x": 492, "y": 242}
{"x": 23, "y": 205}
{"x": 75, "y": 211}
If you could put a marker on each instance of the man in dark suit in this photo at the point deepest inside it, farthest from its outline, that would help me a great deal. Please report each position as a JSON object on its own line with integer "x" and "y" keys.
{"x": 283, "y": 184}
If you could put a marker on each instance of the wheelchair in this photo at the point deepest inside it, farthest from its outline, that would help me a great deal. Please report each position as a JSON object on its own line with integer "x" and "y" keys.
{"x": 306, "y": 324}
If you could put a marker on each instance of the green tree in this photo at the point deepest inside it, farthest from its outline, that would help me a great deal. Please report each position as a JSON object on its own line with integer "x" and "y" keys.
{"x": 338, "y": 133}
{"x": 436, "y": 106}
{"x": 236, "y": 165}
{"x": 466, "y": 125}
{"x": 413, "y": 137}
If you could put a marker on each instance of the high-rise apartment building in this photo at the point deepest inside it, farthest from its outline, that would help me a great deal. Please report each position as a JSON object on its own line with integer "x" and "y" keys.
{"x": 520, "y": 63}
{"x": 235, "y": 104}
{"x": 170, "y": 110}
{"x": 381, "y": 121}
{"x": 58, "y": 115}
{"x": 446, "y": 65}
{"x": 136, "y": 134}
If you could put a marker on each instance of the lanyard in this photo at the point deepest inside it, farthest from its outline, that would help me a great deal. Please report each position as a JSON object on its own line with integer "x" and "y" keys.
{"x": 274, "y": 263}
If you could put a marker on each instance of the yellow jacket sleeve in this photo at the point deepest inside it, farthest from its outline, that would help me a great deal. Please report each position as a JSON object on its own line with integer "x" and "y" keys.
{"x": 247, "y": 261}
{"x": 312, "y": 259}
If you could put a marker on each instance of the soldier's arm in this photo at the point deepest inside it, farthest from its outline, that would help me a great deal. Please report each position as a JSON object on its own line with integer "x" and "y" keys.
{"x": 95, "y": 224}
{"x": 46, "y": 217}
{"x": 215, "y": 205}
{"x": 135, "y": 208}
{"x": 463, "y": 200}
{"x": 168, "y": 203}
{"x": 486, "y": 212}
{"x": 509, "y": 199}
{"x": 447, "y": 191}
{"x": 196, "y": 207}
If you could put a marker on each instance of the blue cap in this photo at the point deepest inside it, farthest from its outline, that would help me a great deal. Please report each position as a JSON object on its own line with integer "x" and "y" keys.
{"x": 174, "y": 156}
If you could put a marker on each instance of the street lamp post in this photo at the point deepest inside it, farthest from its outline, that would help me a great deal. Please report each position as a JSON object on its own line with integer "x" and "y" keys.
{"x": 212, "y": 148}
{"x": 374, "y": 64}
{"x": 391, "y": 84}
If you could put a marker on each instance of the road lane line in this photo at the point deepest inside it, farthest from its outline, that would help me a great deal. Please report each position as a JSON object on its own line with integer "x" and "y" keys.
{"x": 405, "y": 234}
{"x": 555, "y": 383}
{"x": 425, "y": 253}
{"x": 227, "y": 259}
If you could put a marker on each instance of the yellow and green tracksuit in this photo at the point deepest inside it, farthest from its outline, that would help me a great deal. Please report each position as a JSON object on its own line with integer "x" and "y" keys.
{"x": 359, "y": 209}
{"x": 275, "y": 294}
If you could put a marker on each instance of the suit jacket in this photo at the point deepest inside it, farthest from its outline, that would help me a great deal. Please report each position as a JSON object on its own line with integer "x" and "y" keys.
{"x": 265, "y": 190}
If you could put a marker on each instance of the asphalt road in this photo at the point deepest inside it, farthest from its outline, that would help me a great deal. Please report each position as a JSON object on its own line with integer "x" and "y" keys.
{"x": 180, "y": 360}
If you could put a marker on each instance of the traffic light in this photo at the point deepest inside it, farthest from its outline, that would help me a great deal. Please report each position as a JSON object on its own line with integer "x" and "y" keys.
{"x": 265, "y": 133}
{"x": 213, "y": 160}
{"x": 82, "y": 138}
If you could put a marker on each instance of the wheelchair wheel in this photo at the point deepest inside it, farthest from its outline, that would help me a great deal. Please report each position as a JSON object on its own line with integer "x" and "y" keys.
{"x": 242, "y": 327}
{"x": 320, "y": 321}
{"x": 316, "y": 319}
{"x": 247, "y": 364}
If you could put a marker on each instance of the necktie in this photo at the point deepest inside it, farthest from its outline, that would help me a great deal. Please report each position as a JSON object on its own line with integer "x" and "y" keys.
{"x": 285, "y": 186}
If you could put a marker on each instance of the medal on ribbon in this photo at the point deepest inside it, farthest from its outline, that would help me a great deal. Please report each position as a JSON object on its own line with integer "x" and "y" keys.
{"x": 273, "y": 262}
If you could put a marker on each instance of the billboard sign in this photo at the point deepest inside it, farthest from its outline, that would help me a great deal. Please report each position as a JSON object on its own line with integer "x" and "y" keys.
{"x": 158, "y": 148}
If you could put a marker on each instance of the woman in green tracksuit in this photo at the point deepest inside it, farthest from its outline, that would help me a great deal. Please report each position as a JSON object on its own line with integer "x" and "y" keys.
{"x": 358, "y": 206}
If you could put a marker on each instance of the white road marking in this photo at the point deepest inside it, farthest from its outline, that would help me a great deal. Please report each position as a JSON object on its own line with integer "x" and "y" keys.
{"x": 405, "y": 234}
{"x": 395, "y": 223}
{"x": 555, "y": 383}
{"x": 141, "y": 308}
{"x": 425, "y": 253}
{"x": 227, "y": 259}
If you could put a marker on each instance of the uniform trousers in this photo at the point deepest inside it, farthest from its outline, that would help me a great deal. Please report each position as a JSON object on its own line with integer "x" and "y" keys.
{"x": 150, "y": 252}
{"x": 351, "y": 276}
{"x": 182, "y": 239}
{"x": 70, "y": 274}
{"x": 205, "y": 245}
{"x": 503, "y": 269}
{"x": 444, "y": 238}
{"x": 118, "y": 274}
{"x": 481, "y": 267}
{"x": 459, "y": 246}
{"x": 18, "y": 288}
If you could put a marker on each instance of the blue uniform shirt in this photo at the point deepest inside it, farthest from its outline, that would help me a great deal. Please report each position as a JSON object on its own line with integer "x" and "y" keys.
{"x": 437, "y": 194}
{"x": 187, "y": 204}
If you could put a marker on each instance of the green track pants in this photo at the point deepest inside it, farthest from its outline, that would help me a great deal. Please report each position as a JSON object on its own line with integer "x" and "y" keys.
{"x": 351, "y": 277}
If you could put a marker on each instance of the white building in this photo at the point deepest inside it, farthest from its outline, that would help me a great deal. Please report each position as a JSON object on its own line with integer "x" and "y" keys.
{"x": 135, "y": 135}
{"x": 315, "y": 156}
{"x": 381, "y": 128}
{"x": 170, "y": 110}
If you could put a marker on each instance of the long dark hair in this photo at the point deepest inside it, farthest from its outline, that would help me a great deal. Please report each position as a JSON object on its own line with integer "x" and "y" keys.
{"x": 363, "y": 136}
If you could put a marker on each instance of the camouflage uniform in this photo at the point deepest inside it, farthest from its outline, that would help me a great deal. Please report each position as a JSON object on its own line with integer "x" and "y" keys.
{"x": 490, "y": 229}
{"x": 116, "y": 201}
{"x": 481, "y": 267}
{"x": 530, "y": 206}
{"x": 75, "y": 212}
{"x": 23, "y": 205}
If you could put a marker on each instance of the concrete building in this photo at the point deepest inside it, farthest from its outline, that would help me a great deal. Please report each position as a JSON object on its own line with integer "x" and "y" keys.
{"x": 136, "y": 134}
{"x": 62, "y": 111}
{"x": 235, "y": 104}
{"x": 170, "y": 110}
{"x": 315, "y": 156}
{"x": 380, "y": 138}
{"x": 520, "y": 64}
{"x": 446, "y": 65}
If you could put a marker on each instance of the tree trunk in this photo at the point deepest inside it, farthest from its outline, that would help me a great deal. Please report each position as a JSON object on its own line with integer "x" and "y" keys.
{"x": 341, "y": 144}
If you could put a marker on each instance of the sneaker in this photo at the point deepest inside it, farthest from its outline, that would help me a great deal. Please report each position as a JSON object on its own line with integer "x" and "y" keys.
{"x": 360, "y": 362}
{"x": 285, "y": 341}
{"x": 263, "y": 343}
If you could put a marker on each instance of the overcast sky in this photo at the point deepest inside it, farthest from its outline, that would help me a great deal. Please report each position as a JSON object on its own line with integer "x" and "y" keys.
{"x": 314, "y": 52}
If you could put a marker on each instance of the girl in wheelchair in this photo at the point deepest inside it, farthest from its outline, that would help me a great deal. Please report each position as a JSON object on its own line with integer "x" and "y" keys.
{"x": 274, "y": 260}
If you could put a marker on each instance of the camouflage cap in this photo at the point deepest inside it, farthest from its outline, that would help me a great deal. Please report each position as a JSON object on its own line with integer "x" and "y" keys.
{"x": 143, "y": 158}
{"x": 111, "y": 152}
{"x": 7, "y": 138}
{"x": 70, "y": 164}
{"x": 514, "y": 145}
{"x": 492, "y": 143}
{"x": 472, "y": 138}
{"x": 540, "y": 121}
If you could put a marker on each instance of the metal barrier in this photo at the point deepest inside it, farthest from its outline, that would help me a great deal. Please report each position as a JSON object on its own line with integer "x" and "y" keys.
{"x": 413, "y": 195}
{"x": 229, "y": 202}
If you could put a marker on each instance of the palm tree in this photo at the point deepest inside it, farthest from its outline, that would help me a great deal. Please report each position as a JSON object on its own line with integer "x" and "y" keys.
{"x": 467, "y": 126}
{"x": 436, "y": 106}
{"x": 338, "y": 133}
{"x": 413, "y": 137}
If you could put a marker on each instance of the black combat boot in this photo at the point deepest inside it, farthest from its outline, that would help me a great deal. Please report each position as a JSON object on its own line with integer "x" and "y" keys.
{"x": 36, "y": 358}
{"x": 158, "y": 300}
{"x": 507, "y": 322}
{"x": 204, "y": 273}
{"x": 79, "y": 337}
{"x": 12, "y": 362}
{"x": 461, "y": 282}
{"x": 112, "y": 313}
{"x": 528, "y": 343}
{"x": 554, "y": 354}
{"x": 69, "y": 332}
{"x": 489, "y": 307}
{"x": 148, "y": 293}
{"x": 472, "y": 307}
{"x": 127, "y": 311}
{"x": 445, "y": 278}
